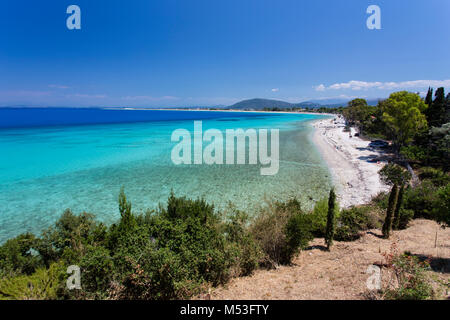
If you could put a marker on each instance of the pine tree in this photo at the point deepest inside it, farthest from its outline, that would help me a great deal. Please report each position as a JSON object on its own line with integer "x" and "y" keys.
{"x": 398, "y": 205}
{"x": 329, "y": 234}
{"x": 390, "y": 211}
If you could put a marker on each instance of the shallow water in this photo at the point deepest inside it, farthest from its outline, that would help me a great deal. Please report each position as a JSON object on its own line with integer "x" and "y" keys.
{"x": 44, "y": 169}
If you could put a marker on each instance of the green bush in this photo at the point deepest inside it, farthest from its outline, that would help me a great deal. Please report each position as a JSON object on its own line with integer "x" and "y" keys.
{"x": 43, "y": 284}
{"x": 160, "y": 274}
{"x": 269, "y": 229}
{"x": 436, "y": 176}
{"x": 71, "y": 233}
{"x": 412, "y": 282}
{"x": 354, "y": 220}
{"x": 381, "y": 200}
{"x": 298, "y": 235}
{"x": 414, "y": 153}
{"x": 406, "y": 215}
{"x": 97, "y": 270}
{"x": 441, "y": 211}
{"x": 17, "y": 256}
{"x": 243, "y": 248}
{"x": 421, "y": 200}
{"x": 319, "y": 217}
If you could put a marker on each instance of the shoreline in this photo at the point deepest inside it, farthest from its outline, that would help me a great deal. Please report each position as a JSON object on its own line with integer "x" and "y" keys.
{"x": 219, "y": 110}
{"x": 352, "y": 163}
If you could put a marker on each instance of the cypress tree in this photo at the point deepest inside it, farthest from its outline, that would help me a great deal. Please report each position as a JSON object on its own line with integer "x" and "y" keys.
{"x": 126, "y": 217}
{"x": 429, "y": 98}
{"x": 436, "y": 112}
{"x": 398, "y": 205}
{"x": 329, "y": 234}
{"x": 390, "y": 211}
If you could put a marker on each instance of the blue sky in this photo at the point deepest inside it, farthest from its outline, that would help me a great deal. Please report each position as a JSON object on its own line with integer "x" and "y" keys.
{"x": 210, "y": 52}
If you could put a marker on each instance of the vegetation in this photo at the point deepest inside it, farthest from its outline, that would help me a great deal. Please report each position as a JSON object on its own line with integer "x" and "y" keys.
{"x": 329, "y": 234}
{"x": 281, "y": 230}
{"x": 396, "y": 176}
{"x": 407, "y": 277}
{"x": 387, "y": 225}
{"x": 177, "y": 250}
{"x": 403, "y": 114}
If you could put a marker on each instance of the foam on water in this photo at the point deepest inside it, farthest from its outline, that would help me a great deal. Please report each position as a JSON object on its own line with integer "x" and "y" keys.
{"x": 48, "y": 169}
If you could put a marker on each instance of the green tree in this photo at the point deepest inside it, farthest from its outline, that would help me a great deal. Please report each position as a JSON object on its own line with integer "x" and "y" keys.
{"x": 330, "y": 230}
{"x": 387, "y": 225}
{"x": 357, "y": 112}
{"x": 429, "y": 98}
{"x": 403, "y": 116}
{"x": 436, "y": 112}
{"x": 127, "y": 221}
{"x": 398, "y": 206}
{"x": 395, "y": 175}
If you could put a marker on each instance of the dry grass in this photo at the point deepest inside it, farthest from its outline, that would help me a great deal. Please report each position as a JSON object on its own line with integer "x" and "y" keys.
{"x": 341, "y": 273}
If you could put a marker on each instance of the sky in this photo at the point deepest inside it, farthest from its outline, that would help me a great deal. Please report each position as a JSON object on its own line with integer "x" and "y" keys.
{"x": 145, "y": 53}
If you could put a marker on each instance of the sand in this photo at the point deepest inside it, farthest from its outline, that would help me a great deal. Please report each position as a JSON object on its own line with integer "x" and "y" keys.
{"x": 352, "y": 163}
{"x": 342, "y": 273}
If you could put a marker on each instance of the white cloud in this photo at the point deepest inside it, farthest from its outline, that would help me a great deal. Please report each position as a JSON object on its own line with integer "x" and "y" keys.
{"x": 275, "y": 89}
{"x": 149, "y": 98}
{"x": 341, "y": 96}
{"x": 87, "y": 96}
{"x": 363, "y": 85}
{"x": 58, "y": 86}
{"x": 320, "y": 87}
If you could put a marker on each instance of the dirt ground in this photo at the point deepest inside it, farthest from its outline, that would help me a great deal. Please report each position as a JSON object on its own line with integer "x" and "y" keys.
{"x": 341, "y": 273}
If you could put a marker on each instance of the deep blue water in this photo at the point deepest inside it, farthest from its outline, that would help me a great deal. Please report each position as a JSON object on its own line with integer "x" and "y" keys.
{"x": 39, "y": 117}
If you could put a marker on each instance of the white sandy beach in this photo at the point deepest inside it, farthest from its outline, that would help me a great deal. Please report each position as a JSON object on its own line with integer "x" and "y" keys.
{"x": 355, "y": 177}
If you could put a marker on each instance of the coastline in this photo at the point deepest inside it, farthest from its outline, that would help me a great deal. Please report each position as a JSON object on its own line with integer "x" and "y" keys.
{"x": 352, "y": 163}
{"x": 221, "y": 110}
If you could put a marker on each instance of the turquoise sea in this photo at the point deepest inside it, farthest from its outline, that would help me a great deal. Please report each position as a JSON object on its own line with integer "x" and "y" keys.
{"x": 79, "y": 159}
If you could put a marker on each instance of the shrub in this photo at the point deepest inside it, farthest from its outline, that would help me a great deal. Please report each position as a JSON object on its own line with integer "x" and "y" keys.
{"x": 319, "y": 217}
{"x": 72, "y": 232}
{"x": 269, "y": 231}
{"x": 441, "y": 211}
{"x": 414, "y": 153}
{"x": 191, "y": 229}
{"x": 43, "y": 284}
{"x": 354, "y": 220}
{"x": 244, "y": 250}
{"x": 411, "y": 281}
{"x": 168, "y": 276}
{"x": 96, "y": 270}
{"x": 298, "y": 235}
{"x": 17, "y": 257}
{"x": 381, "y": 200}
{"x": 421, "y": 200}
{"x": 436, "y": 176}
{"x": 405, "y": 216}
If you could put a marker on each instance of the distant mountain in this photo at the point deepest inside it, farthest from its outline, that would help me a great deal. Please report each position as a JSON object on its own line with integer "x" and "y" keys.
{"x": 260, "y": 104}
